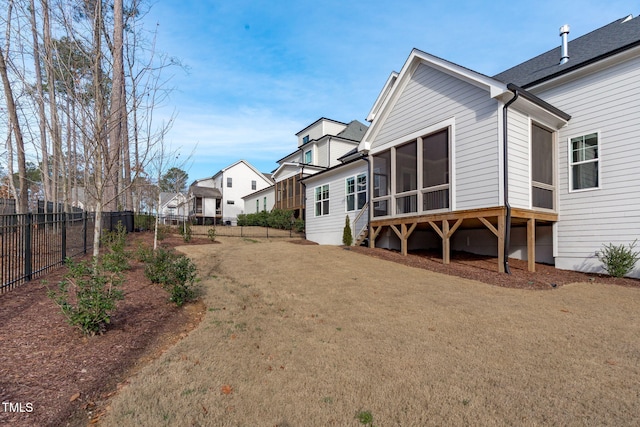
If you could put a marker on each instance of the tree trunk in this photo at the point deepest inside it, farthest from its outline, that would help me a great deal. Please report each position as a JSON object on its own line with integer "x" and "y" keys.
{"x": 117, "y": 112}
{"x": 22, "y": 205}
{"x": 42, "y": 117}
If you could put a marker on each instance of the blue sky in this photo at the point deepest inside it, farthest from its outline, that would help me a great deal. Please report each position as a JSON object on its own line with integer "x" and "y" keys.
{"x": 260, "y": 71}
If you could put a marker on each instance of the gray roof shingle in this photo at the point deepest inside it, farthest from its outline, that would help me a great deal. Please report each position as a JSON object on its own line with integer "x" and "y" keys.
{"x": 613, "y": 38}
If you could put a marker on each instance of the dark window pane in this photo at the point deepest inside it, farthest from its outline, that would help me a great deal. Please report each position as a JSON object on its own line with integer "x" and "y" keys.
{"x": 435, "y": 159}
{"x": 541, "y": 155}
{"x": 407, "y": 167}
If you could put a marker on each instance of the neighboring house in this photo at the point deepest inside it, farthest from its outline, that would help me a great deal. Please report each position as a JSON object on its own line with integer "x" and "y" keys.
{"x": 205, "y": 202}
{"x": 173, "y": 207}
{"x": 261, "y": 200}
{"x": 334, "y": 194}
{"x": 536, "y": 162}
{"x": 231, "y": 184}
{"x": 320, "y": 145}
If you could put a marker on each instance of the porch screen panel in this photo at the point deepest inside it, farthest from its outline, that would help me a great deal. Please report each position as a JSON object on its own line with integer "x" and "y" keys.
{"x": 542, "y": 167}
{"x": 407, "y": 177}
{"x": 381, "y": 183}
{"x": 435, "y": 171}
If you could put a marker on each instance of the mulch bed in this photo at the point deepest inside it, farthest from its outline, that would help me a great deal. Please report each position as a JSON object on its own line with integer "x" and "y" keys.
{"x": 59, "y": 377}
{"x": 485, "y": 269}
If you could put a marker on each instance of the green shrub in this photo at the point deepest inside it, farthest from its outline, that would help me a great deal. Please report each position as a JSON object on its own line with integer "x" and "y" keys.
{"x": 143, "y": 252}
{"x": 186, "y": 232}
{"x": 211, "y": 234}
{"x": 277, "y": 218}
{"x": 115, "y": 258}
{"x": 88, "y": 295}
{"x": 157, "y": 266}
{"x": 347, "y": 236}
{"x": 176, "y": 273}
{"x": 618, "y": 260}
{"x": 298, "y": 225}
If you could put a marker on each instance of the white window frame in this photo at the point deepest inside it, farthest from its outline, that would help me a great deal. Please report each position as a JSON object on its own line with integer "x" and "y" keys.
{"x": 229, "y": 182}
{"x": 572, "y": 164}
{"x": 449, "y": 124}
{"x": 310, "y": 160}
{"x": 320, "y": 200}
{"x": 254, "y": 184}
{"x": 356, "y": 192}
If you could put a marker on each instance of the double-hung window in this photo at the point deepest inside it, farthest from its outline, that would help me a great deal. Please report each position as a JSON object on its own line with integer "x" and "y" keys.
{"x": 253, "y": 185}
{"x": 356, "y": 191}
{"x": 322, "y": 200}
{"x": 583, "y": 159}
{"x": 308, "y": 157}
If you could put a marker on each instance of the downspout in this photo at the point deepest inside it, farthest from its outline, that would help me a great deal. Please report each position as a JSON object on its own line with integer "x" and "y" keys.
{"x": 304, "y": 201}
{"x": 366, "y": 159}
{"x": 507, "y": 228}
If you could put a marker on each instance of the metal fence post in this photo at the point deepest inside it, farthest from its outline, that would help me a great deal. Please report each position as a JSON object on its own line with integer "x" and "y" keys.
{"x": 84, "y": 232}
{"x": 27, "y": 246}
{"x": 64, "y": 235}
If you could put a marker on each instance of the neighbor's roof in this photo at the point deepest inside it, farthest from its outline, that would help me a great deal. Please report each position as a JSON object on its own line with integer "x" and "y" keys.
{"x": 206, "y": 192}
{"x": 354, "y": 131}
{"x": 606, "y": 41}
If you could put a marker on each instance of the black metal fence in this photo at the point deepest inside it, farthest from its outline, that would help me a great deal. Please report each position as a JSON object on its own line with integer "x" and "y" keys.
{"x": 31, "y": 244}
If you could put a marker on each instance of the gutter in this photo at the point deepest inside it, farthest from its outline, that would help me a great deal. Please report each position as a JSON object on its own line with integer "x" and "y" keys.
{"x": 507, "y": 228}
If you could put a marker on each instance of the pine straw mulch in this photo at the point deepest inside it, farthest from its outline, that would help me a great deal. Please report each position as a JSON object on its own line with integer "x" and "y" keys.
{"x": 485, "y": 269}
{"x": 67, "y": 378}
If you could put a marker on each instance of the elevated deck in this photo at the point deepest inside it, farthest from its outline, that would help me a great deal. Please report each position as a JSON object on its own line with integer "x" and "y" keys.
{"x": 445, "y": 224}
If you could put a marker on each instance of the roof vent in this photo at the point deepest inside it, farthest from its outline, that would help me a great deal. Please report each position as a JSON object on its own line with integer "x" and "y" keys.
{"x": 564, "y": 33}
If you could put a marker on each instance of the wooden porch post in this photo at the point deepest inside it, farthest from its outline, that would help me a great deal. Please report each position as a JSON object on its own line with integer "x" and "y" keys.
{"x": 403, "y": 234}
{"x": 531, "y": 244}
{"x": 501, "y": 254}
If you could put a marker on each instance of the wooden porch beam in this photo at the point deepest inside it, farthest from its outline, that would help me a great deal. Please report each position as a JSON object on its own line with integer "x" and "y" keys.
{"x": 374, "y": 234}
{"x": 490, "y": 226}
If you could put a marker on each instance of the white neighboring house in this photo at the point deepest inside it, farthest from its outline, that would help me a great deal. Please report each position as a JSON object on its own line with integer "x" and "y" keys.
{"x": 537, "y": 162}
{"x": 334, "y": 194}
{"x": 232, "y": 184}
{"x": 204, "y": 201}
{"x": 173, "y": 207}
{"x": 261, "y": 200}
{"x": 320, "y": 146}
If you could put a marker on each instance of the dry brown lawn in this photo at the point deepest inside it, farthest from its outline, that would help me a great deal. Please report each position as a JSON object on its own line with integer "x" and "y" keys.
{"x": 300, "y": 335}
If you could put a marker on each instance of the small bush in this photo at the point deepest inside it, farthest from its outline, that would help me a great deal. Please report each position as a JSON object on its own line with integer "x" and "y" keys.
{"x": 88, "y": 295}
{"x": 115, "y": 258}
{"x": 186, "y": 232}
{"x": 347, "y": 236}
{"x": 211, "y": 234}
{"x": 143, "y": 252}
{"x": 618, "y": 260}
{"x": 176, "y": 273}
{"x": 162, "y": 231}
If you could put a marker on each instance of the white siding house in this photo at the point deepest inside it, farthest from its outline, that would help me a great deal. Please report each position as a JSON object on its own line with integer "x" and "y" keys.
{"x": 262, "y": 200}
{"x": 333, "y": 195}
{"x": 535, "y": 163}
{"x": 320, "y": 146}
{"x": 236, "y": 181}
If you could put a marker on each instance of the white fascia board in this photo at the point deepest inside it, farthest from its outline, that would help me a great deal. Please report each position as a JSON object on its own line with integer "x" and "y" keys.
{"x": 386, "y": 89}
{"x": 494, "y": 87}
